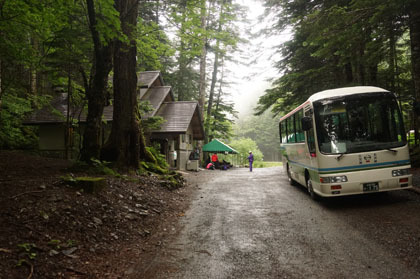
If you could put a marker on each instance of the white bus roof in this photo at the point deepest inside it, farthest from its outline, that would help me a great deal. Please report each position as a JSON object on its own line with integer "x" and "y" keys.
{"x": 336, "y": 93}
{"x": 345, "y": 91}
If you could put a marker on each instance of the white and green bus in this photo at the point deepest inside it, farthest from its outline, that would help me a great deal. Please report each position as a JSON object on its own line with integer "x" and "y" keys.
{"x": 346, "y": 141}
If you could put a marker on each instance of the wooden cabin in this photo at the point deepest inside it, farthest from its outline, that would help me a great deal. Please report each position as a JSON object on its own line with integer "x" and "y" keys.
{"x": 180, "y": 132}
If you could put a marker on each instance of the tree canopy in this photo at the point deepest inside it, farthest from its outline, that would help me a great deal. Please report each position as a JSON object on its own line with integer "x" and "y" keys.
{"x": 342, "y": 43}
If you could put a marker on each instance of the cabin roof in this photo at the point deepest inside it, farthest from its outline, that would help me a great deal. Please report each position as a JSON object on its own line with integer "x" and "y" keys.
{"x": 179, "y": 116}
{"x": 156, "y": 96}
{"x": 56, "y": 112}
{"x": 146, "y": 79}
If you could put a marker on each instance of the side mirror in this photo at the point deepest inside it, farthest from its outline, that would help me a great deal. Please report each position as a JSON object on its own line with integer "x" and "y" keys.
{"x": 306, "y": 123}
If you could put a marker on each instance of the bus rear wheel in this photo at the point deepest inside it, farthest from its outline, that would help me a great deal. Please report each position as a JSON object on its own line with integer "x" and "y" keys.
{"x": 289, "y": 177}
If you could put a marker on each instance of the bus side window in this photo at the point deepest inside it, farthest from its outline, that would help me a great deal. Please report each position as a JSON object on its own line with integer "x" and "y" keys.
{"x": 291, "y": 137}
{"x": 283, "y": 134}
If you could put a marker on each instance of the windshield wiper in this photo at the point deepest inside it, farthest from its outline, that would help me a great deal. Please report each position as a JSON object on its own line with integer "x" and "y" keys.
{"x": 339, "y": 156}
{"x": 392, "y": 150}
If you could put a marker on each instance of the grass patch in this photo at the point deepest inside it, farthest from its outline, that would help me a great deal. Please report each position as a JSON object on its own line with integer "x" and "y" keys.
{"x": 263, "y": 164}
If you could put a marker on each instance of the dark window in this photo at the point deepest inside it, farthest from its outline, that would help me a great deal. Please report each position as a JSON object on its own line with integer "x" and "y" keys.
{"x": 284, "y": 131}
{"x": 291, "y": 137}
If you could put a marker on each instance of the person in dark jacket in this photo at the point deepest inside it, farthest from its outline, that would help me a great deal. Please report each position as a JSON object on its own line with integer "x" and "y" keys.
{"x": 251, "y": 160}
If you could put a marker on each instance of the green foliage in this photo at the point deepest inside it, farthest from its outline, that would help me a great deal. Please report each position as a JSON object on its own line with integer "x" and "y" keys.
{"x": 243, "y": 146}
{"x": 151, "y": 168}
{"x": 13, "y": 134}
{"x": 172, "y": 180}
{"x": 159, "y": 167}
{"x": 28, "y": 250}
{"x": 221, "y": 121}
{"x": 108, "y": 22}
{"x": 150, "y": 123}
{"x": 102, "y": 167}
{"x": 263, "y": 164}
{"x": 160, "y": 158}
{"x": 262, "y": 129}
{"x": 153, "y": 48}
{"x": 56, "y": 243}
{"x": 338, "y": 44}
{"x": 95, "y": 167}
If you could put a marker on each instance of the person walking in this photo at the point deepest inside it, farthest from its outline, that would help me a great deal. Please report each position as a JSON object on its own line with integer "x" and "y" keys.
{"x": 174, "y": 157}
{"x": 251, "y": 160}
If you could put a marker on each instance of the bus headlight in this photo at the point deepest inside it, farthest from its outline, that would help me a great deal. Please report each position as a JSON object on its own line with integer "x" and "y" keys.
{"x": 401, "y": 172}
{"x": 333, "y": 179}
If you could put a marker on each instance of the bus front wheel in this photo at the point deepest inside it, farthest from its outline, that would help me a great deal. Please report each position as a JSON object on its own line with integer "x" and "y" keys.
{"x": 313, "y": 195}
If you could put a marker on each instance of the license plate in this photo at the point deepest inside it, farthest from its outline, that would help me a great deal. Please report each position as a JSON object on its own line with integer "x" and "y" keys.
{"x": 369, "y": 187}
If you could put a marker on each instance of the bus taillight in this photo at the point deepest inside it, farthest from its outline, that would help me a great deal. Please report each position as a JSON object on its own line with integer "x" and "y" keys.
{"x": 402, "y": 180}
{"x": 336, "y": 187}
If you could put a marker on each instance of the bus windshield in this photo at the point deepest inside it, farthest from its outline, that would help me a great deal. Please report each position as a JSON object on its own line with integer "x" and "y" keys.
{"x": 358, "y": 123}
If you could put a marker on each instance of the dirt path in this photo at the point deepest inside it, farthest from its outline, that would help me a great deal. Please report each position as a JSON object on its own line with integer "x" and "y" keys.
{"x": 254, "y": 225}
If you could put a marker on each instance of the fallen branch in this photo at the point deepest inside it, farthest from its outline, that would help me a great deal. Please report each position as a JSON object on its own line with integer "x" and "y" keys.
{"x": 74, "y": 270}
{"x": 31, "y": 266}
{"x": 32, "y": 272}
{"x": 25, "y": 193}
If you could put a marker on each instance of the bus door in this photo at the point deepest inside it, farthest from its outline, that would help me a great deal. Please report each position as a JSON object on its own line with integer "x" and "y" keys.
{"x": 310, "y": 136}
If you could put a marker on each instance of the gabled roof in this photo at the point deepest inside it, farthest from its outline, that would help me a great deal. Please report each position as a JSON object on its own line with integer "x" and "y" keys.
{"x": 146, "y": 79}
{"x": 156, "y": 96}
{"x": 56, "y": 112}
{"x": 179, "y": 116}
{"x": 217, "y": 146}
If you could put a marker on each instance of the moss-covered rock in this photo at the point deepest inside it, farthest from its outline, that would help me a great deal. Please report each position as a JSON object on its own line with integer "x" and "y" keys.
{"x": 172, "y": 181}
{"x": 87, "y": 184}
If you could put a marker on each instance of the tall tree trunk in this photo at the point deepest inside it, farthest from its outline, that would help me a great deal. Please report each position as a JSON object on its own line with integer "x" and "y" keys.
{"x": 182, "y": 59}
{"x": 211, "y": 93}
{"x": 361, "y": 66}
{"x": 1, "y": 86}
{"x": 68, "y": 134}
{"x": 348, "y": 72}
{"x": 219, "y": 97}
{"x": 202, "y": 88}
{"x": 214, "y": 76}
{"x": 33, "y": 73}
{"x": 124, "y": 141}
{"x": 391, "y": 58}
{"x": 96, "y": 92}
{"x": 414, "y": 22}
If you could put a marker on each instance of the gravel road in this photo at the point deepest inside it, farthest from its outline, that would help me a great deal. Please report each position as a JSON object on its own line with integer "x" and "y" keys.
{"x": 255, "y": 225}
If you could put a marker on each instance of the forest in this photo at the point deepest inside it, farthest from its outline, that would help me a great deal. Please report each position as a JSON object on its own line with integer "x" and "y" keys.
{"x": 92, "y": 50}
{"x": 346, "y": 43}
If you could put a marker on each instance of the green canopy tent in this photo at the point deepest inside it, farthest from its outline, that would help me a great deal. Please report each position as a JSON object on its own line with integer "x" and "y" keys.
{"x": 216, "y": 146}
